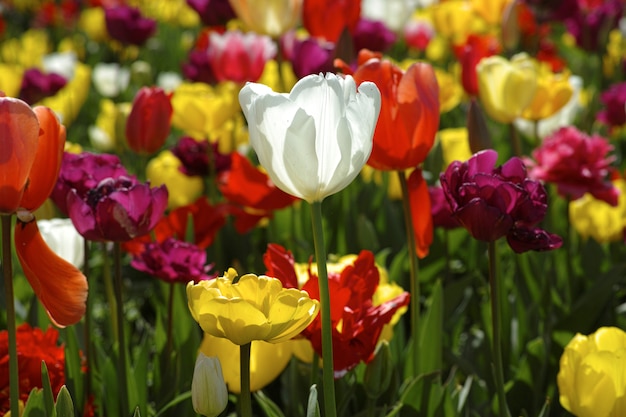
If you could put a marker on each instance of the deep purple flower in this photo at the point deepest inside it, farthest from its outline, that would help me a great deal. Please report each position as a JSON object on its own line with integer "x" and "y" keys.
{"x": 312, "y": 56}
{"x": 117, "y": 209}
{"x": 173, "y": 260}
{"x": 213, "y": 12}
{"x": 83, "y": 172}
{"x": 194, "y": 156}
{"x": 127, "y": 25}
{"x": 495, "y": 202}
{"x": 198, "y": 67}
{"x": 372, "y": 35}
{"x": 36, "y": 85}
{"x": 440, "y": 209}
{"x": 593, "y": 21}
{"x": 614, "y": 100}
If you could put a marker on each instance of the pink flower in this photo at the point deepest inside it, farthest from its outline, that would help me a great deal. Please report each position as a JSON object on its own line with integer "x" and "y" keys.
{"x": 614, "y": 100}
{"x": 239, "y": 57}
{"x": 576, "y": 163}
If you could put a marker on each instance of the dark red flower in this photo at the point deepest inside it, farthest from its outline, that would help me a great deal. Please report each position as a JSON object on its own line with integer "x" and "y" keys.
{"x": 212, "y": 12}
{"x": 576, "y": 163}
{"x": 495, "y": 202}
{"x": 614, "y": 100}
{"x": 173, "y": 260}
{"x": 372, "y": 35}
{"x": 33, "y": 347}
{"x": 36, "y": 85}
{"x": 194, "y": 155}
{"x": 149, "y": 121}
{"x": 440, "y": 209}
{"x": 127, "y": 25}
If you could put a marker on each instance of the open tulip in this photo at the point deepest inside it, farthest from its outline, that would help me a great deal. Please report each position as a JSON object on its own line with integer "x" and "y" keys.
{"x": 253, "y": 308}
{"x": 313, "y": 141}
{"x": 33, "y": 140}
{"x": 271, "y": 18}
{"x": 591, "y": 374}
{"x": 500, "y": 79}
{"x": 148, "y": 123}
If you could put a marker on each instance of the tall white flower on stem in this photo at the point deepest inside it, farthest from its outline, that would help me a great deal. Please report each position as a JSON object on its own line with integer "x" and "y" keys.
{"x": 313, "y": 141}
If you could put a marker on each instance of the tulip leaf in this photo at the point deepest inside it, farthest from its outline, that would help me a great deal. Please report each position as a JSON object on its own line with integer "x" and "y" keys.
{"x": 35, "y": 404}
{"x": 429, "y": 351}
{"x": 177, "y": 400}
{"x": 64, "y": 406}
{"x": 267, "y": 405}
{"x": 74, "y": 376}
{"x": 48, "y": 396}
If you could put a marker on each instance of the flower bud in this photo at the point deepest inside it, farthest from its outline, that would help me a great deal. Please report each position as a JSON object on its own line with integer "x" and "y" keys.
{"x": 208, "y": 389}
{"x": 378, "y": 372}
{"x": 478, "y": 133}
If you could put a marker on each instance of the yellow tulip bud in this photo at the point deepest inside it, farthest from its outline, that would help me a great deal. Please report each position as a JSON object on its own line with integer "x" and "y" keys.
{"x": 209, "y": 395}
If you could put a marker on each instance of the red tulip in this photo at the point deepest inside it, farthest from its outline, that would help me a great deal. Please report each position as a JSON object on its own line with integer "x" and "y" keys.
{"x": 328, "y": 18}
{"x": 149, "y": 121}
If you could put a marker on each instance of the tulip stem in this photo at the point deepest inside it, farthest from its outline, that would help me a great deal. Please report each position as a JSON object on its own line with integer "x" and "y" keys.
{"x": 413, "y": 268}
{"x": 7, "y": 275}
{"x": 515, "y": 140}
{"x": 327, "y": 336}
{"x": 495, "y": 324}
{"x": 121, "y": 339}
{"x": 245, "y": 399}
{"x": 88, "y": 324}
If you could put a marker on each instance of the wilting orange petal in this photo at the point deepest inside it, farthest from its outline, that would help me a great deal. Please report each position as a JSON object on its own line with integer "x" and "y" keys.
{"x": 59, "y": 285}
{"x": 45, "y": 170}
{"x": 419, "y": 200}
{"x": 19, "y": 134}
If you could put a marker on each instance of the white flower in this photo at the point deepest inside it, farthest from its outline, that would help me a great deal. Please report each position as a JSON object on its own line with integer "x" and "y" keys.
{"x": 169, "y": 80}
{"x": 110, "y": 79}
{"x": 61, "y": 236}
{"x": 393, "y": 13}
{"x": 62, "y": 63}
{"x": 313, "y": 141}
{"x": 209, "y": 394}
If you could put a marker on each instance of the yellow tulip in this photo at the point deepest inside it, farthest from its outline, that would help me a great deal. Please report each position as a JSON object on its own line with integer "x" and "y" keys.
{"x": 599, "y": 220}
{"x": 454, "y": 145}
{"x": 70, "y": 99}
{"x": 450, "y": 90}
{"x": 591, "y": 374}
{"x": 506, "y": 87}
{"x": 183, "y": 190}
{"x": 253, "y": 308}
{"x": 200, "y": 109}
{"x": 93, "y": 23}
{"x": 11, "y": 79}
{"x": 490, "y": 10}
{"x": 454, "y": 20}
{"x": 267, "y": 361}
{"x": 268, "y": 17}
{"x": 27, "y": 50}
{"x": 553, "y": 92}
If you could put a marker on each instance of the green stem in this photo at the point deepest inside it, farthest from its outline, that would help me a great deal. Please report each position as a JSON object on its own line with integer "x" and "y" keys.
{"x": 109, "y": 291}
{"x": 7, "y": 275}
{"x": 121, "y": 347}
{"x": 328, "y": 378}
{"x": 87, "y": 336}
{"x": 496, "y": 323}
{"x": 413, "y": 267}
{"x": 170, "y": 315}
{"x": 245, "y": 399}
{"x": 515, "y": 141}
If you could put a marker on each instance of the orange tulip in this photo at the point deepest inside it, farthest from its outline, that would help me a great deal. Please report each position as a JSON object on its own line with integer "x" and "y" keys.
{"x": 32, "y": 142}
{"x": 327, "y": 19}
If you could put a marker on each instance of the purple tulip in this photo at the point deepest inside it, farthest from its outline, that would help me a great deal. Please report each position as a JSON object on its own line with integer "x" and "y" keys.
{"x": 614, "y": 100}
{"x": 36, "y": 85}
{"x": 173, "y": 260}
{"x": 194, "y": 156}
{"x": 312, "y": 56}
{"x": 591, "y": 23}
{"x": 440, "y": 209}
{"x": 198, "y": 68}
{"x": 117, "y": 209}
{"x": 495, "y": 202}
{"x": 213, "y": 12}
{"x": 127, "y": 25}
{"x": 372, "y": 35}
{"x": 83, "y": 172}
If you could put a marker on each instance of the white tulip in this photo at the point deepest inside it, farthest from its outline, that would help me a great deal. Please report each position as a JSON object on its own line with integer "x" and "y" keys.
{"x": 313, "y": 141}
{"x": 209, "y": 394}
{"x": 61, "y": 236}
{"x": 110, "y": 79}
{"x": 393, "y": 13}
{"x": 62, "y": 63}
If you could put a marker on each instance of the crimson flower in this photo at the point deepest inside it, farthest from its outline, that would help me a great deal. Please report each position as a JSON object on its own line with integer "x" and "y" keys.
{"x": 614, "y": 100}
{"x": 576, "y": 163}
{"x": 495, "y": 202}
{"x": 372, "y": 35}
{"x": 33, "y": 347}
{"x": 327, "y": 19}
{"x": 173, "y": 260}
{"x": 249, "y": 187}
{"x": 356, "y": 322}
{"x": 127, "y": 25}
{"x": 475, "y": 48}
{"x": 440, "y": 209}
{"x": 312, "y": 56}
{"x": 212, "y": 12}
{"x": 148, "y": 123}
{"x": 37, "y": 85}
{"x": 194, "y": 156}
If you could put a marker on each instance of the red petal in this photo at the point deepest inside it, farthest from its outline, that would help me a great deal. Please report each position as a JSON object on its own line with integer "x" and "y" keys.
{"x": 59, "y": 285}
{"x": 419, "y": 200}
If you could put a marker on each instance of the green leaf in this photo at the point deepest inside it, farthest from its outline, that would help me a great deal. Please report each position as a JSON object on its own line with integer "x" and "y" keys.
{"x": 74, "y": 377}
{"x": 267, "y": 405}
{"x": 430, "y": 347}
{"x": 179, "y": 399}
{"x": 48, "y": 396}
{"x": 35, "y": 404}
{"x": 313, "y": 408}
{"x": 64, "y": 406}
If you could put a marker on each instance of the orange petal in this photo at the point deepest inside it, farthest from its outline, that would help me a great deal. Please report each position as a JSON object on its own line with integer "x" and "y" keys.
{"x": 59, "y": 285}
{"x": 419, "y": 199}
{"x": 19, "y": 134}
{"x": 48, "y": 158}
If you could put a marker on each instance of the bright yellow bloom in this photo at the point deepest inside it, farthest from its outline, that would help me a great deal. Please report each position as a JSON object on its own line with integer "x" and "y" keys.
{"x": 270, "y": 76}
{"x": 70, "y": 99}
{"x": 268, "y": 17}
{"x": 175, "y": 12}
{"x": 253, "y": 308}
{"x": 231, "y": 135}
{"x": 11, "y": 79}
{"x": 455, "y": 19}
{"x": 599, "y": 220}
{"x": 450, "y": 90}
{"x": 490, "y": 10}
{"x": 267, "y": 360}
{"x": 592, "y": 373}
{"x": 200, "y": 109}
{"x": 506, "y": 87}
{"x": 553, "y": 92}
{"x": 28, "y": 50}
{"x": 93, "y": 23}
{"x": 454, "y": 145}
{"x": 183, "y": 190}
{"x": 615, "y": 53}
